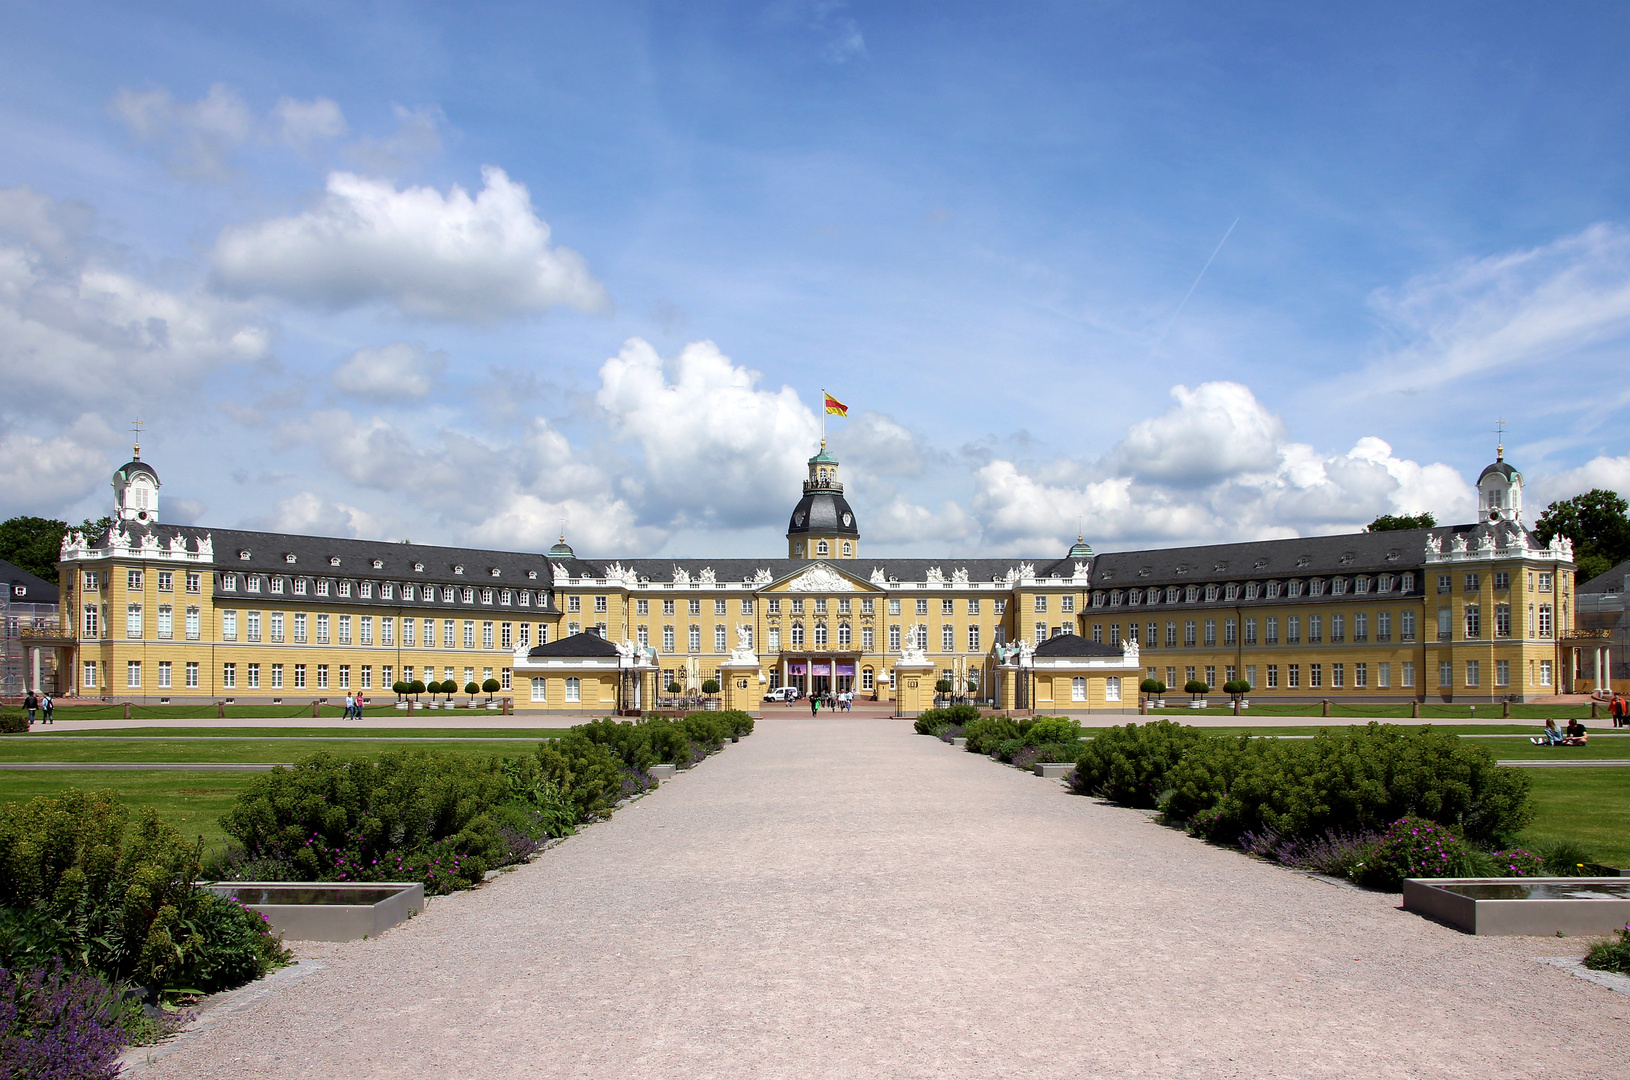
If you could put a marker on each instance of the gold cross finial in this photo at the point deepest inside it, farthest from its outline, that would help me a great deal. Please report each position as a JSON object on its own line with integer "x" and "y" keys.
{"x": 135, "y": 426}
{"x": 1499, "y": 436}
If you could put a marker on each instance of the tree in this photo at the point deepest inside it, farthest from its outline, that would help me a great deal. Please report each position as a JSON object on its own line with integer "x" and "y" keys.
{"x": 472, "y": 688}
{"x": 491, "y": 687}
{"x": 1152, "y": 687}
{"x": 1196, "y": 687}
{"x": 1598, "y": 523}
{"x": 400, "y": 688}
{"x": 33, "y": 543}
{"x": 674, "y": 688}
{"x": 710, "y": 687}
{"x": 1394, "y": 522}
{"x": 1236, "y": 688}
{"x": 416, "y": 687}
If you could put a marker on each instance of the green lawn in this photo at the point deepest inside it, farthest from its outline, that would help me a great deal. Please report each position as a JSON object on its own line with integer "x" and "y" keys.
{"x": 252, "y": 712}
{"x": 1336, "y": 725}
{"x": 287, "y": 733}
{"x": 1429, "y": 711}
{"x": 1590, "y": 806}
{"x": 234, "y": 750}
{"x": 192, "y": 802}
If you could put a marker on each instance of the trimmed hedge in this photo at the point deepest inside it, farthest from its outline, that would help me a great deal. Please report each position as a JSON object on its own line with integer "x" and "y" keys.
{"x": 933, "y": 721}
{"x": 1353, "y": 781}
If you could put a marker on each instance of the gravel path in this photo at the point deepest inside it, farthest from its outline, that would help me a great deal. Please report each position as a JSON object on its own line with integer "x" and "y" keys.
{"x": 842, "y": 898}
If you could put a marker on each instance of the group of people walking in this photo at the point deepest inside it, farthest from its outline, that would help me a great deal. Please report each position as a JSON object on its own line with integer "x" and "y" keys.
{"x": 353, "y": 707}
{"x": 42, "y": 704}
{"x": 830, "y": 701}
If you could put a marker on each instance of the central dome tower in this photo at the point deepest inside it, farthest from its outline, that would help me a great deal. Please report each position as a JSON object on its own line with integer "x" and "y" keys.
{"x": 822, "y": 525}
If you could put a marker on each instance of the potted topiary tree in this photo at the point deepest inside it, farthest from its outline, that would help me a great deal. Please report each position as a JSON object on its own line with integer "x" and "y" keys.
{"x": 472, "y": 688}
{"x": 710, "y": 687}
{"x": 1236, "y": 689}
{"x": 416, "y": 687}
{"x": 1151, "y": 689}
{"x": 942, "y": 689}
{"x": 491, "y": 687}
{"x": 440, "y": 688}
{"x": 401, "y": 689}
{"x": 1199, "y": 690}
{"x": 674, "y": 689}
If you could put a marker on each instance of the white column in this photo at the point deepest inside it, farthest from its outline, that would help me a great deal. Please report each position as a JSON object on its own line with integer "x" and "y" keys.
{"x": 1607, "y": 667}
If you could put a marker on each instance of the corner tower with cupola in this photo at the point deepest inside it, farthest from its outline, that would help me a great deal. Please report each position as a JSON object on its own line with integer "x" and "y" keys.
{"x": 1499, "y": 490}
{"x": 823, "y": 526}
{"x": 135, "y": 491}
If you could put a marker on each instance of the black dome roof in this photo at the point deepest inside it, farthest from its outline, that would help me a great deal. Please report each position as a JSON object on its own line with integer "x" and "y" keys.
{"x": 1500, "y": 467}
{"x": 823, "y": 512}
{"x": 136, "y": 465}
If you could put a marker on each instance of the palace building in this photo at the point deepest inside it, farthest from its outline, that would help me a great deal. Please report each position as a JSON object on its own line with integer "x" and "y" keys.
{"x": 157, "y": 613}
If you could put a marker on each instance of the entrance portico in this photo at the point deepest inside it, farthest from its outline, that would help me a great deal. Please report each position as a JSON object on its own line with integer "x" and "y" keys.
{"x": 821, "y": 673}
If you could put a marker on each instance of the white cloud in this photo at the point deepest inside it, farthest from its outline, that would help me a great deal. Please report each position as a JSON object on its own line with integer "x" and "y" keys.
{"x": 442, "y": 256}
{"x": 76, "y": 334}
{"x": 876, "y": 444}
{"x": 398, "y": 370}
{"x": 313, "y": 515}
{"x": 44, "y": 475}
{"x": 195, "y": 139}
{"x": 899, "y": 520}
{"x": 1215, "y": 468}
{"x": 1525, "y": 307}
{"x": 302, "y": 125}
{"x": 1217, "y": 429}
{"x": 1602, "y": 471}
{"x": 716, "y": 448}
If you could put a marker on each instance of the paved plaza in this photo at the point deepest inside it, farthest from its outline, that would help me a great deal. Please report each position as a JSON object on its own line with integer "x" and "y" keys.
{"x": 842, "y": 898}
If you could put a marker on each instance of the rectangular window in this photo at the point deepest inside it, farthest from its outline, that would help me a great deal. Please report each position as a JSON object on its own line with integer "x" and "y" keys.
{"x": 1112, "y": 688}
{"x": 195, "y": 581}
{"x": 1293, "y": 630}
{"x": 365, "y": 629}
{"x": 1188, "y": 633}
{"x": 1338, "y": 628}
{"x": 1270, "y": 627}
{"x": 1383, "y": 626}
{"x": 1446, "y": 618}
{"x": 667, "y": 607}
{"x": 367, "y": 680}
{"x": 667, "y": 639}
{"x": 300, "y": 627}
{"x": 1474, "y": 673}
{"x": 164, "y": 675}
{"x": 1250, "y": 674}
{"x": 1502, "y": 673}
{"x": 387, "y": 630}
{"x": 229, "y": 675}
{"x": 1383, "y": 676}
{"x": 1446, "y": 674}
{"x": 253, "y": 674}
{"x": 719, "y": 637}
{"x": 1250, "y": 631}
{"x": 1041, "y": 632}
{"x": 322, "y": 628}
{"x": 322, "y": 676}
{"x": 600, "y": 604}
{"x": 506, "y": 636}
{"x": 574, "y": 689}
{"x": 1545, "y": 673}
{"x": 133, "y": 620}
{"x": 1230, "y": 632}
{"x": 1473, "y": 582}
{"x": 345, "y": 629}
{"x": 277, "y": 626}
{"x": 695, "y": 607}
{"x": 1545, "y": 620}
{"x": 574, "y": 603}
{"x": 1115, "y": 633}
{"x": 90, "y": 621}
{"x": 1406, "y": 674}
{"x": 1361, "y": 676}
{"x": 1211, "y": 633}
{"x": 251, "y": 625}
{"x": 1078, "y": 688}
{"x": 1502, "y": 620}
{"x": 1474, "y": 621}
{"x": 277, "y": 585}
{"x": 192, "y": 674}
{"x": 1315, "y": 675}
{"x": 868, "y": 639}
{"x": 229, "y": 626}
{"x": 894, "y": 639}
{"x": 973, "y": 637}
{"x": 385, "y": 679}
{"x": 1338, "y": 676}
{"x": 1315, "y": 629}
{"x": 693, "y": 639}
{"x": 1273, "y": 677}
{"x": 407, "y": 632}
{"x": 299, "y": 586}
{"x": 1293, "y": 676}
{"x": 1545, "y": 582}
{"x": 277, "y": 676}
{"x": 299, "y": 676}
{"x": 345, "y": 676}
{"x": 486, "y": 635}
{"x": 504, "y": 680}
{"x": 469, "y": 633}
{"x": 1041, "y": 603}
{"x": 133, "y": 674}
{"x": 1406, "y": 626}
{"x": 166, "y": 581}
{"x": 88, "y": 677}
{"x": 1211, "y": 676}
{"x": 922, "y": 607}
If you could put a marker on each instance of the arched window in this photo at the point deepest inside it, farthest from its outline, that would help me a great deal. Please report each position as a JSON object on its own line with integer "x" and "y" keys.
{"x": 848, "y": 549}
{"x": 845, "y": 635}
{"x": 797, "y": 635}
{"x": 821, "y": 547}
{"x": 798, "y": 550}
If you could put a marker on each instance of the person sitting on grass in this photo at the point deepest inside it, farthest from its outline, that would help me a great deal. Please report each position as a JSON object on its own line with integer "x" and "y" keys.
{"x": 1576, "y": 735}
{"x": 1550, "y": 737}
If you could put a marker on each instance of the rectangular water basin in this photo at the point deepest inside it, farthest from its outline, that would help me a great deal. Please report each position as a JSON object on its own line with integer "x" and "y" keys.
{"x": 327, "y": 910}
{"x": 1539, "y": 906}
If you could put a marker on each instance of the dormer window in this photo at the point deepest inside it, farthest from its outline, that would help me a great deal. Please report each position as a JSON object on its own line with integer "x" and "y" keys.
{"x": 244, "y": 555}
{"x": 495, "y": 572}
{"x": 254, "y": 583}
{"x": 379, "y": 564}
{"x": 458, "y": 569}
{"x": 322, "y": 587}
{"x": 277, "y": 585}
{"x": 345, "y": 588}
{"x": 531, "y": 575}
{"x": 229, "y": 583}
{"x": 469, "y": 595}
{"x": 289, "y": 558}
{"x": 418, "y": 568}
{"x": 365, "y": 590}
{"x": 333, "y": 560}
{"x": 299, "y": 586}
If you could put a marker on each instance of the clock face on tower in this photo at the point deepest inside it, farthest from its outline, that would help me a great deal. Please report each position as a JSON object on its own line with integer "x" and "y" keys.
{"x": 798, "y": 519}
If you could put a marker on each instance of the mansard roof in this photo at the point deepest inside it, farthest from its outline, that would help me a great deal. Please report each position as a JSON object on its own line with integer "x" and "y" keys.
{"x": 576, "y": 645}
{"x": 22, "y": 587}
{"x": 1076, "y": 645}
{"x": 1610, "y": 582}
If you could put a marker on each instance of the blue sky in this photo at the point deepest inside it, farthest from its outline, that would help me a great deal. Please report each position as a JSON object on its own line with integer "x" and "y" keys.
{"x": 461, "y": 274}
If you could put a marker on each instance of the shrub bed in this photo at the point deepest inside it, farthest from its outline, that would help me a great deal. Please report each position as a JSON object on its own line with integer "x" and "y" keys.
{"x": 1129, "y": 765}
{"x": 1611, "y": 955}
{"x": 935, "y": 721}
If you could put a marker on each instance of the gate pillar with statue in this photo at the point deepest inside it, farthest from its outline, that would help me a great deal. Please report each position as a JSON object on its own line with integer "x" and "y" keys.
{"x": 742, "y": 674}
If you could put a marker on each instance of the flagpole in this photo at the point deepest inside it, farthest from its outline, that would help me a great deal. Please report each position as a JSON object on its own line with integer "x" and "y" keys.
{"x": 823, "y": 418}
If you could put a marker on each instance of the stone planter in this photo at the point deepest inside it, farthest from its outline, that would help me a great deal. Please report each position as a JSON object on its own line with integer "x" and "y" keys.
{"x": 1053, "y": 770}
{"x": 960, "y": 743}
{"x": 1527, "y": 906}
{"x": 327, "y": 911}
{"x": 663, "y": 772}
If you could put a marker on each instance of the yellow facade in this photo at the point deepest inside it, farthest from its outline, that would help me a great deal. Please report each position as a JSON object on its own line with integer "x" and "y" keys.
{"x": 191, "y": 615}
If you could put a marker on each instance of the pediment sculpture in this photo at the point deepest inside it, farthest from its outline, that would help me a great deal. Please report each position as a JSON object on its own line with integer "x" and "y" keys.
{"x": 820, "y": 578}
{"x": 936, "y": 576}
